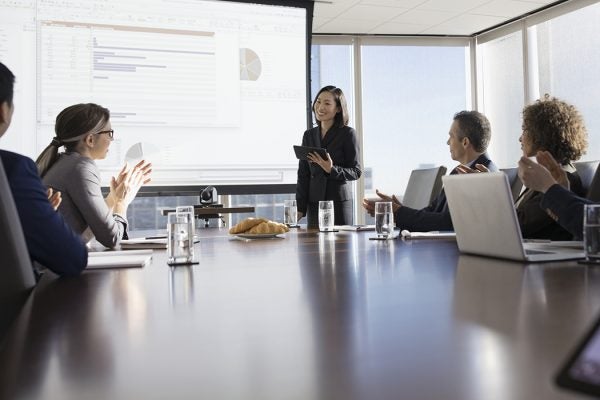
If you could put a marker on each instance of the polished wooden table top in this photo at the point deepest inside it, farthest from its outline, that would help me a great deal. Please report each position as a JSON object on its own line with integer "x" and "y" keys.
{"x": 308, "y": 316}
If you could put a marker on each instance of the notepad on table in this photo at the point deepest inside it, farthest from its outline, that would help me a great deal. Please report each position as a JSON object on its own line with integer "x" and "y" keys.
{"x": 151, "y": 242}
{"x": 355, "y": 228}
{"x": 118, "y": 259}
{"x": 428, "y": 235}
{"x": 144, "y": 243}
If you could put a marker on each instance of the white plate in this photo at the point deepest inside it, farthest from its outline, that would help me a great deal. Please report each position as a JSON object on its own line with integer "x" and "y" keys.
{"x": 257, "y": 235}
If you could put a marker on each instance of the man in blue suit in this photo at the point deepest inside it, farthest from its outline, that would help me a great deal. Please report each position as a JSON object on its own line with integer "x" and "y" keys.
{"x": 50, "y": 241}
{"x": 470, "y": 135}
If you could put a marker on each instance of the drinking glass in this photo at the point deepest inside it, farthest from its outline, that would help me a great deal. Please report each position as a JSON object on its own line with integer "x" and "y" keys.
{"x": 384, "y": 219}
{"x": 290, "y": 212}
{"x": 326, "y": 216}
{"x": 180, "y": 238}
{"x": 591, "y": 231}
{"x": 189, "y": 209}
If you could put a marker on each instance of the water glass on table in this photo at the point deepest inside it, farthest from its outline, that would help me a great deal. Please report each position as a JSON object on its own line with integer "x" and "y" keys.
{"x": 180, "y": 238}
{"x": 384, "y": 219}
{"x": 290, "y": 213}
{"x": 326, "y": 216}
{"x": 189, "y": 209}
{"x": 591, "y": 232}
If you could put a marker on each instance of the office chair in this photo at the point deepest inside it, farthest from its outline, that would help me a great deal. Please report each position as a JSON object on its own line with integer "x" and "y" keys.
{"x": 423, "y": 186}
{"x": 513, "y": 179}
{"x": 16, "y": 274}
{"x": 590, "y": 180}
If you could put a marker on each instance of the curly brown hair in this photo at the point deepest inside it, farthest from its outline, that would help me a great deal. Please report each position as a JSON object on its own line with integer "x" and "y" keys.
{"x": 555, "y": 126}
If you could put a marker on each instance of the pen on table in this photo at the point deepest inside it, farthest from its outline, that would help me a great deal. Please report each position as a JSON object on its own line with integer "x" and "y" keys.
{"x": 156, "y": 237}
{"x": 537, "y": 241}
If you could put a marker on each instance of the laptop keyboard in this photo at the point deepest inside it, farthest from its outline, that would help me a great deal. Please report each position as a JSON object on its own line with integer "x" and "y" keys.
{"x": 530, "y": 252}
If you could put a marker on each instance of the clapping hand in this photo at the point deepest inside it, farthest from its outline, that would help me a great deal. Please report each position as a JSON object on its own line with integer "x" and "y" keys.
{"x": 54, "y": 198}
{"x": 127, "y": 183}
{"x": 542, "y": 175}
{"x": 463, "y": 169}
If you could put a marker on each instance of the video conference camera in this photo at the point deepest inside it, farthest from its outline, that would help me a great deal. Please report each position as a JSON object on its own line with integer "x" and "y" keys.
{"x": 208, "y": 196}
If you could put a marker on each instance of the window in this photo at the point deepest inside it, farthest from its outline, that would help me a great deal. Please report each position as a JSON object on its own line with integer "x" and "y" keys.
{"x": 569, "y": 66}
{"x": 145, "y": 212}
{"x": 332, "y": 65}
{"x": 502, "y": 95}
{"x": 268, "y": 206}
{"x": 410, "y": 94}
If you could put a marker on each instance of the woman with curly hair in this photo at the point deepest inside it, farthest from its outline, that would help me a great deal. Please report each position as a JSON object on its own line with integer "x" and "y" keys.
{"x": 556, "y": 127}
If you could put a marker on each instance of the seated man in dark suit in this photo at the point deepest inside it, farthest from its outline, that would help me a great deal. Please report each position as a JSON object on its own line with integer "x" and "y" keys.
{"x": 470, "y": 135}
{"x": 50, "y": 242}
{"x": 549, "y": 178}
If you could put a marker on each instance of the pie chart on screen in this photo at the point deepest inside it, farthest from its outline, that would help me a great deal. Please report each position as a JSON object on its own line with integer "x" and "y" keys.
{"x": 140, "y": 151}
{"x": 250, "y": 65}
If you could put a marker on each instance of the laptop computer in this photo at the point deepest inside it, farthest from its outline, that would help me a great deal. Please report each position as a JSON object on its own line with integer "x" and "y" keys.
{"x": 485, "y": 221}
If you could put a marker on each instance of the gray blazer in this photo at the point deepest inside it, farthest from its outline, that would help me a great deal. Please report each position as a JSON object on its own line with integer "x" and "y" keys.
{"x": 78, "y": 179}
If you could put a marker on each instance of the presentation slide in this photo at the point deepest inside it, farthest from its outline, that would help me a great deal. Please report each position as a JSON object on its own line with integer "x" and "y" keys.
{"x": 211, "y": 92}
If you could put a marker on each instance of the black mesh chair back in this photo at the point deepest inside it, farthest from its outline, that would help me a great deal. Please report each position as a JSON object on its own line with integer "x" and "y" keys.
{"x": 16, "y": 272}
{"x": 588, "y": 172}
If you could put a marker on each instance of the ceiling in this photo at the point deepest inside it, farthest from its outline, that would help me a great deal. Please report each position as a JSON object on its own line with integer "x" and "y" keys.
{"x": 417, "y": 17}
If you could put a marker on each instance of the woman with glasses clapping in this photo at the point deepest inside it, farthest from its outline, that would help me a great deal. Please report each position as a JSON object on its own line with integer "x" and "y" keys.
{"x": 85, "y": 132}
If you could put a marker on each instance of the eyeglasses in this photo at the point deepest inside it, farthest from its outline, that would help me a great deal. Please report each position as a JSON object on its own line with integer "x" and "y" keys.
{"x": 110, "y": 133}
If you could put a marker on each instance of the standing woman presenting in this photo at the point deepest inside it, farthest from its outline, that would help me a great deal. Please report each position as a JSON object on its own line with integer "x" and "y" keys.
{"x": 327, "y": 178}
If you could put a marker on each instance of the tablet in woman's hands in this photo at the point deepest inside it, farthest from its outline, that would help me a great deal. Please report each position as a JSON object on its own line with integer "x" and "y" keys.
{"x": 303, "y": 151}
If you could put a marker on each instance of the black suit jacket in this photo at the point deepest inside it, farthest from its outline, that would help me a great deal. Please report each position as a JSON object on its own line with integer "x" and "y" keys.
{"x": 50, "y": 241}
{"x": 535, "y": 222}
{"x": 314, "y": 184}
{"x": 435, "y": 217}
{"x": 567, "y": 208}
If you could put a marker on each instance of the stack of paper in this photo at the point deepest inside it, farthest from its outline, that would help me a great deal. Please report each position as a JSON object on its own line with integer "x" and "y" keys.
{"x": 118, "y": 259}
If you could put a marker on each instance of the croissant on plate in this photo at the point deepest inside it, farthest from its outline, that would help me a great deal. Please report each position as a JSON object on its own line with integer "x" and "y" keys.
{"x": 245, "y": 225}
{"x": 258, "y": 226}
{"x": 269, "y": 227}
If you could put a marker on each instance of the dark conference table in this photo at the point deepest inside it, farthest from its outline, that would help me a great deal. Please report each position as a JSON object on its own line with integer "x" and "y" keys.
{"x": 308, "y": 316}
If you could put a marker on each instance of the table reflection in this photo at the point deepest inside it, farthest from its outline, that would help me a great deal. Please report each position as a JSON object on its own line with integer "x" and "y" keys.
{"x": 77, "y": 349}
{"x": 181, "y": 285}
{"x": 335, "y": 289}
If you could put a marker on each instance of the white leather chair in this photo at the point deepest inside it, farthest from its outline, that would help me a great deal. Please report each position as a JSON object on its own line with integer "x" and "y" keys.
{"x": 16, "y": 272}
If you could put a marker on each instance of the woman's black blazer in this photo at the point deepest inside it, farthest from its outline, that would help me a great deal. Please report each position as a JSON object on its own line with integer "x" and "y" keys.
{"x": 314, "y": 184}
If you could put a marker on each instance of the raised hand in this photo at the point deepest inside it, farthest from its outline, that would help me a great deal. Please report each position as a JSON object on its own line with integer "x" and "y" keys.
{"x": 125, "y": 186}
{"x": 54, "y": 198}
{"x": 559, "y": 174}
{"x": 463, "y": 169}
{"x": 536, "y": 176}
